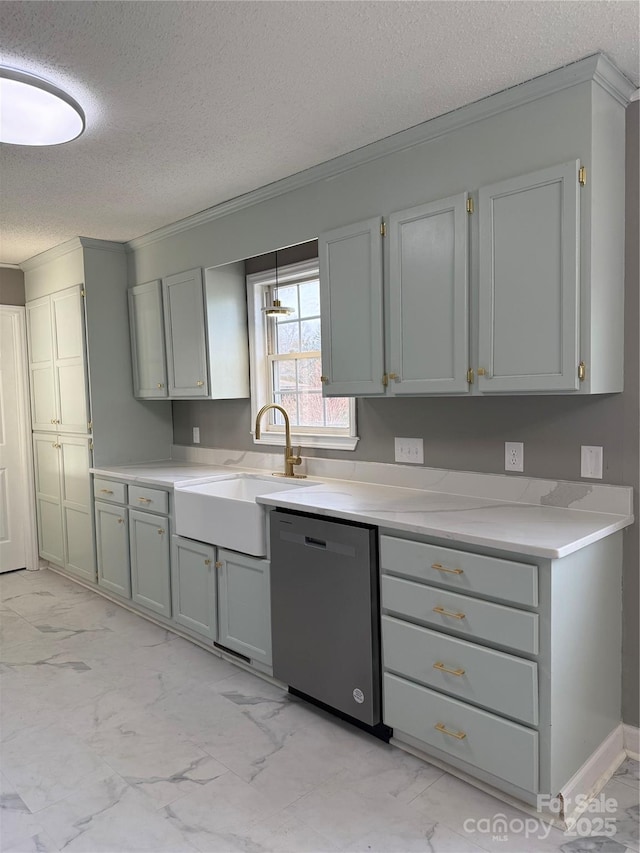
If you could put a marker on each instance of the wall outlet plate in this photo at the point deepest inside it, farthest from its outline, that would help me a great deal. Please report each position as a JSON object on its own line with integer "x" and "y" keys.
{"x": 409, "y": 450}
{"x": 513, "y": 456}
{"x": 196, "y": 435}
{"x": 591, "y": 462}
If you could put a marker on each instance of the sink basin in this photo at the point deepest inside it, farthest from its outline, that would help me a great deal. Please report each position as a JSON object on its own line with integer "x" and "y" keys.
{"x": 224, "y": 512}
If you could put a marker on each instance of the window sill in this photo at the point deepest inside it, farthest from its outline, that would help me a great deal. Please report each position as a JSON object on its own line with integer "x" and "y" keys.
{"x": 325, "y": 442}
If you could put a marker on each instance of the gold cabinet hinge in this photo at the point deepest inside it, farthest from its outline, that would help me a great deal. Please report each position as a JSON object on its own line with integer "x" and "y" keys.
{"x": 470, "y": 376}
{"x": 82, "y": 291}
{"x": 582, "y": 175}
{"x": 385, "y": 379}
{"x": 469, "y": 205}
{"x": 90, "y": 444}
{"x": 582, "y": 371}
{"x": 383, "y": 229}
{"x": 89, "y": 425}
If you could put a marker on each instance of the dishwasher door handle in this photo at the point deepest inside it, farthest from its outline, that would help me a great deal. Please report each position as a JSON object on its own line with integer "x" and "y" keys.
{"x": 315, "y": 543}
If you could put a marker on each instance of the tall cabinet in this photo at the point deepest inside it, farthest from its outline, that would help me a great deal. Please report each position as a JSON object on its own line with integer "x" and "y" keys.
{"x": 83, "y": 411}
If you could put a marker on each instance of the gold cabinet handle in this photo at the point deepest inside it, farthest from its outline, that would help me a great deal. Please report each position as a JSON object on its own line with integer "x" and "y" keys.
{"x": 121, "y": 521}
{"x": 218, "y": 564}
{"x": 207, "y": 562}
{"x": 445, "y": 731}
{"x": 145, "y": 500}
{"x": 444, "y": 612}
{"x": 107, "y": 491}
{"x": 440, "y": 568}
{"x": 160, "y": 385}
{"x": 199, "y": 383}
{"x": 394, "y": 376}
{"x": 53, "y": 420}
{"x": 55, "y": 444}
{"x": 444, "y": 668}
{"x": 161, "y": 530}
{"x": 324, "y": 379}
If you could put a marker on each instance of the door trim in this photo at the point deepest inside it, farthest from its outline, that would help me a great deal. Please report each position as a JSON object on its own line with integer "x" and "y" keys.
{"x": 17, "y": 313}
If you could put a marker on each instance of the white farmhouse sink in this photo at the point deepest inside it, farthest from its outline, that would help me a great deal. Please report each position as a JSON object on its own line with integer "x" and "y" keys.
{"x": 224, "y": 512}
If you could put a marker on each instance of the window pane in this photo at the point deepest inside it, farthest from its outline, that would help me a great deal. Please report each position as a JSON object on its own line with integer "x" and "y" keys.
{"x": 309, "y": 370}
{"x": 311, "y": 409}
{"x": 310, "y": 335}
{"x": 284, "y": 375}
{"x": 289, "y": 402}
{"x": 337, "y": 411}
{"x": 288, "y": 337}
{"x": 310, "y": 298}
{"x": 288, "y": 296}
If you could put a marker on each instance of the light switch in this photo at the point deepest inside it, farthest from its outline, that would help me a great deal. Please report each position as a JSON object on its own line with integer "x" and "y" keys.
{"x": 591, "y": 462}
{"x": 409, "y": 450}
{"x": 196, "y": 435}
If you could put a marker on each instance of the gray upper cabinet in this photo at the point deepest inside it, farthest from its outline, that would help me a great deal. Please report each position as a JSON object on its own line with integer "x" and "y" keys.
{"x": 351, "y": 298}
{"x": 185, "y": 330}
{"x": 529, "y": 282}
{"x": 428, "y": 298}
{"x": 148, "y": 356}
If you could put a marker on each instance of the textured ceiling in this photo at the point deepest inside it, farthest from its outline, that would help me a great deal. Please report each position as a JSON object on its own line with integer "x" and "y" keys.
{"x": 189, "y": 104}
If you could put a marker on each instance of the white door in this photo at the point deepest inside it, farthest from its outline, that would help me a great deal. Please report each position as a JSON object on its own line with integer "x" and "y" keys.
{"x": 15, "y": 494}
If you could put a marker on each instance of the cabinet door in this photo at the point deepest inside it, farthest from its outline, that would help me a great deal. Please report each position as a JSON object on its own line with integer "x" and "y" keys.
{"x": 46, "y": 457}
{"x": 112, "y": 547}
{"x": 184, "y": 321}
{"x": 147, "y": 340}
{"x": 149, "y": 552}
{"x": 41, "y": 370}
{"x": 351, "y": 303}
{"x": 428, "y": 298}
{"x": 245, "y": 605}
{"x": 67, "y": 312}
{"x": 77, "y": 515}
{"x": 193, "y": 586}
{"x": 529, "y": 282}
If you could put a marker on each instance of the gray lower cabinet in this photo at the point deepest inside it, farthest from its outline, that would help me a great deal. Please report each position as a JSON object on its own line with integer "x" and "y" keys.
{"x": 193, "y": 586}
{"x": 244, "y": 602}
{"x": 112, "y": 548}
{"x": 150, "y": 561}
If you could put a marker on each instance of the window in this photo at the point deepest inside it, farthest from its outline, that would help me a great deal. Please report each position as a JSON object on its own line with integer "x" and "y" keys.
{"x": 286, "y": 362}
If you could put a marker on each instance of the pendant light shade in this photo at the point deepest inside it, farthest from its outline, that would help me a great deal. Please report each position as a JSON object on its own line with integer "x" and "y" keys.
{"x": 276, "y": 308}
{"x": 35, "y": 112}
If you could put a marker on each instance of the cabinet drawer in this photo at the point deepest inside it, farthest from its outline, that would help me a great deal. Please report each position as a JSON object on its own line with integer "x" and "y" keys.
{"x": 493, "y": 744}
{"x": 504, "y": 683}
{"x": 460, "y": 570}
{"x": 471, "y": 617}
{"x": 154, "y": 500}
{"x": 108, "y": 490}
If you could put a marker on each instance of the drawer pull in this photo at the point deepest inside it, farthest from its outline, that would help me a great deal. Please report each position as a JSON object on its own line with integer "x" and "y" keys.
{"x": 145, "y": 500}
{"x": 445, "y": 731}
{"x": 107, "y": 491}
{"x": 199, "y": 383}
{"x": 444, "y": 612}
{"x": 443, "y": 668}
{"x": 121, "y": 521}
{"x": 161, "y": 530}
{"x": 440, "y": 568}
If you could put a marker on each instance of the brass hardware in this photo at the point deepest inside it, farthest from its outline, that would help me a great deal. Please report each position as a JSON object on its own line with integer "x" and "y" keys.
{"x": 199, "y": 383}
{"x": 582, "y": 371}
{"x": 445, "y": 731}
{"x": 145, "y": 500}
{"x": 55, "y": 444}
{"x": 324, "y": 379}
{"x": 443, "y": 668}
{"x": 582, "y": 176}
{"x": 469, "y": 205}
{"x": 90, "y": 444}
{"x": 53, "y": 420}
{"x": 394, "y": 376}
{"x": 160, "y": 530}
{"x": 470, "y": 376}
{"x": 482, "y": 371}
{"x": 107, "y": 491}
{"x": 289, "y": 458}
{"x": 442, "y": 568}
{"x": 207, "y": 562}
{"x": 218, "y": 564}
{"x": 444, "y": 612}
{"x": 89, "y": 424}
{"x": 383, "y": 229}
{"x": 160, "y": 385}
{"x": 121, "y": 521}
{"x": 82, "y": 292}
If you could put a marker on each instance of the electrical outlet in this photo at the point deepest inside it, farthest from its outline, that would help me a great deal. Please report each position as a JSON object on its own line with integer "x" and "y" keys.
{"x": 410, "y": 450}
{"x": 591, "y": 462}
{"x": 196, "y": 435}
{"x": 513, "y": 456}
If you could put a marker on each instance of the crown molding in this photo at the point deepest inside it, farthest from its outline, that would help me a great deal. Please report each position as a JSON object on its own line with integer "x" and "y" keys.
{"x": 595, "y": 67}
{"x": 70, "y": 246}
{"x": 10, "y": 266}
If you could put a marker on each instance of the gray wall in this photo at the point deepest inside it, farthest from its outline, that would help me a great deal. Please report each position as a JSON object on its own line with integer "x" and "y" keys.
{"x": 469, "y": 434}
{"x": 11, "y": 286}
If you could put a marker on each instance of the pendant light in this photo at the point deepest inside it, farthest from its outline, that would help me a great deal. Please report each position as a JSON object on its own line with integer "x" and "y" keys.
{"x": 35, "y": 112}
{"x": 276, "y": 308}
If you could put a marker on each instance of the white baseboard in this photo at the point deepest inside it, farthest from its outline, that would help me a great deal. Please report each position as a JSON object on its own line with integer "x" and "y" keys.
{"x": 631, "y": 738}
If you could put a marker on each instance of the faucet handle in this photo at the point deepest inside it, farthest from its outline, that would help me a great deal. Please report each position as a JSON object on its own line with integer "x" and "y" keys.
{"x": 295, "y": 457}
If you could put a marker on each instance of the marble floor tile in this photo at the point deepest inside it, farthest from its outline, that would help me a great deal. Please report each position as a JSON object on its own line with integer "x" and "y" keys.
{"x": 17, "y": 822}
{"x": 40, "y": 843}
{"x": 627, "y": 815}
{"x": 629, "y": 773}
{"x": 15, "y": 630}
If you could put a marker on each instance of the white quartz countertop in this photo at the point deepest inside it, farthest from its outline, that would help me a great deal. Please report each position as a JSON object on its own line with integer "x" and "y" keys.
{"x": 542, "y": 531}
{"x": 535, "y": 529}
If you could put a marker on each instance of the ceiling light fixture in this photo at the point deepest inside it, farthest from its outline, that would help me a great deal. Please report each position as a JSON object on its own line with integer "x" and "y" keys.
{"x": 35, "y": 112}
{"x": 276, "y": 308}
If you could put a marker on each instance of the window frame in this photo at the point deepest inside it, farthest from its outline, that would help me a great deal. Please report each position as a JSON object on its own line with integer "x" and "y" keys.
{"x": 257, "y": 284}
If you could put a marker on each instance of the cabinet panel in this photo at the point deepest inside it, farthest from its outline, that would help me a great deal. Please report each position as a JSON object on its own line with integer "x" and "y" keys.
{"x": 73, "y": 412}
{"x": 147, "y": 340}
{"x": 149, "y": 552}
{"x": 529, "y": 282}
{"x": 50, "y": 542}
{"x": 428, "y": 298}
{"x": 68, "y": 324}
{"x": 75, "y": 460}
{"x": 77, "y": 518}
{"x": 43, "y": 398}
{"x": 245, "y": 605}
{"x": 193, "y": 586}
{"x": 183, "y": 303}
{"x": 77, "y": 525}
{"x": 112, "y": 546}
{"x": 46, "y": 457}
{"x": 39, "y": 334}
{"x": 351, "y": 302}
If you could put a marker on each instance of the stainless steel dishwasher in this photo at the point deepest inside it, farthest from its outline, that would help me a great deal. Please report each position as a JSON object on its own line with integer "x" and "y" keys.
{"x": 324, "y": 614}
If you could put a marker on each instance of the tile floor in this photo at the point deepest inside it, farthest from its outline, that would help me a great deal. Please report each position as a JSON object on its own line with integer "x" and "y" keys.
{"x": 119, "y": 736}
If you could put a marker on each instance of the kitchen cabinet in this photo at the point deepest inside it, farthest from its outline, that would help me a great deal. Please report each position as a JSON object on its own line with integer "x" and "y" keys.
{"x": 57, "y": 366}
{"x": 150, "y": 561}
{"x": 189, "y": 335}
{"x": 112, "y": 548}
{"x": 427, "y": 289}
{"x": 244, "y": 603}
{"x": 194, "y": 587}
{"x": 65, "y": 522}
